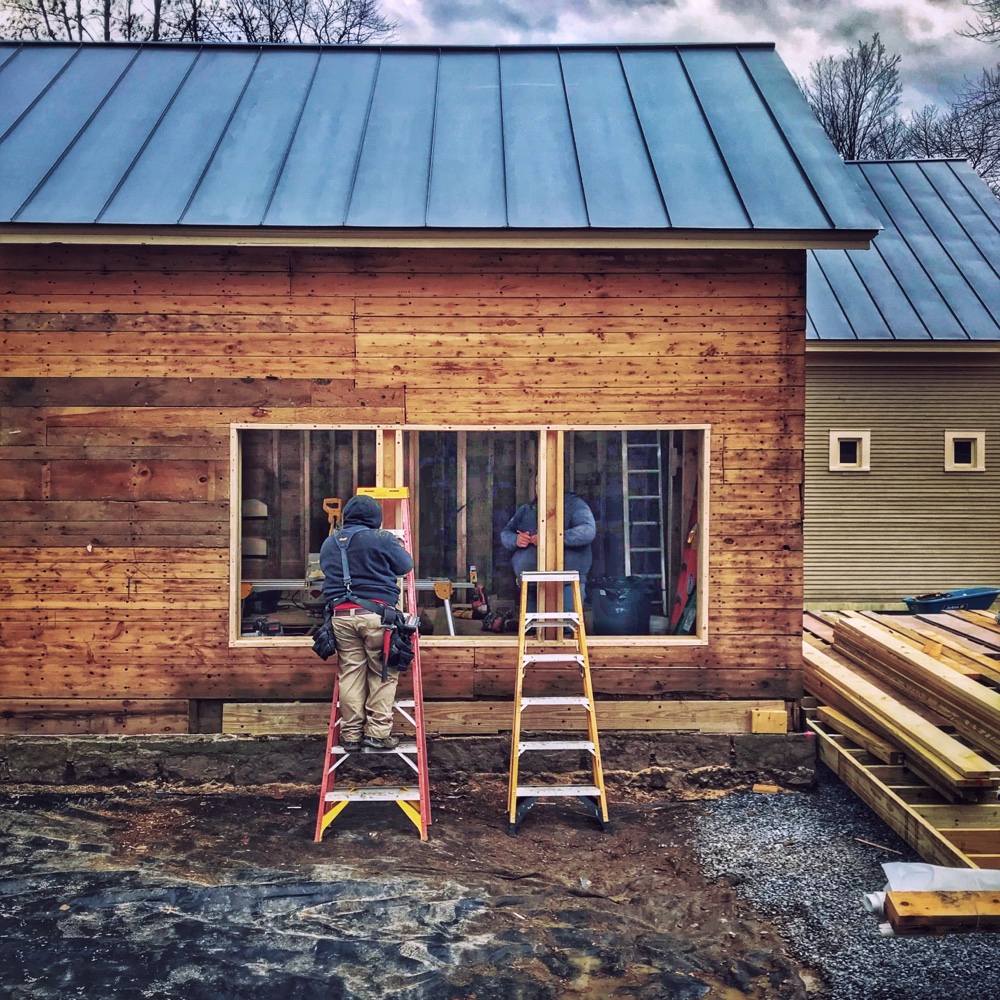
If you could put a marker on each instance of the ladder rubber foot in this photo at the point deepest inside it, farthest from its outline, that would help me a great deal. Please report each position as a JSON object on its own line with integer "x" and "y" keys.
{"x": 512, "y": 829}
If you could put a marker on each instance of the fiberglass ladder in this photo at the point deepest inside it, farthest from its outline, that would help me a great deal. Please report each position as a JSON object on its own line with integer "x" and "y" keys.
{"x": 414, "y": 801}
{"x": 520, "y": 798}
{"x": 642, "y": 485}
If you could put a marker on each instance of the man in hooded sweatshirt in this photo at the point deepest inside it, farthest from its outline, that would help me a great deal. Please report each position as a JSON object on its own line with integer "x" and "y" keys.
{"x": 375, "y": 560}
{"x": 520, "y": 537}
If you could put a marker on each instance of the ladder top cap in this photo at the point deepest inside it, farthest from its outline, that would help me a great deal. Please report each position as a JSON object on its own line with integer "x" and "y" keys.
{"x": 385, "y": 492}
{"x": 550, "y": 576}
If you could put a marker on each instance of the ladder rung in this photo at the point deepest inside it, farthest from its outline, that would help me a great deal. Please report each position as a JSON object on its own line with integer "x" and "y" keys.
{"x": 640, "y": 472}
{"x": 405, "y": 703}
{"x": 556, "y": 745}
{"x": 550, "y": 576}
{"x": 374, "y": 793}
{"x": 644, "y": 496}
{"x": 547, "y": 791}
{"x": 643, "y": 524}
{"x": 553, "y": 658}
{"x": 402, "y": 748}
{"x": 556, "y": 700}
{"x": 644, "y": 548}
{"x": 551, "y": 616}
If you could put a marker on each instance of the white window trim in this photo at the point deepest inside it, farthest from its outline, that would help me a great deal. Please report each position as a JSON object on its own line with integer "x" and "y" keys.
{"x": 699, "y": 638}
{"x": 978, "y": 439}
{"x": 864, "y": 439}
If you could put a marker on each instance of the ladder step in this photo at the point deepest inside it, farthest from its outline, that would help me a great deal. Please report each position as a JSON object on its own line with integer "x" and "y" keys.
{"x": 553, "y": 658}
{"x": 374, "y": 793}
{"x": 402, "y": 748}
{"x": 639, "y": 472}
{"x": 644, "y": 496}
{"x": 556, "y": 745}
{"x": 546, "y": 576}
{"x": 551, "y": 791}
{"x": 556, "y": 700}
{"x": 551, "y": 616}
{"x": 644, "y": 548}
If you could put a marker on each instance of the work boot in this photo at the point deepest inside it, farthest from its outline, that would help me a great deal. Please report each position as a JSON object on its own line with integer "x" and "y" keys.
{"x": 350, "y": 746}
{"x": 371, "y": 744}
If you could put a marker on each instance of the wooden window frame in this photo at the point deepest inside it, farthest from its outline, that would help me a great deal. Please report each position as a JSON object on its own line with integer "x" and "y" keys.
{"x": 978, "y": 440}
{"x": 390, "y": 471}
{"x": 864, "y": 439}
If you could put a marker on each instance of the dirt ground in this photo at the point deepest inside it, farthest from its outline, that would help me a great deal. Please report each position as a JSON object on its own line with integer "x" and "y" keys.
{"x": 220, "y": 896}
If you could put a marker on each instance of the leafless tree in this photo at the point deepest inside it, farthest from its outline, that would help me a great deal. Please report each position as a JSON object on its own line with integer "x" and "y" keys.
{"x": 987, "y": 26}
{"x": 324, "y": 21}
{"x": 855, "y": 98}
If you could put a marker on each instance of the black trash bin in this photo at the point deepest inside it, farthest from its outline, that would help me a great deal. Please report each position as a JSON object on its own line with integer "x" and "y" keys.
{"x": 621, "y": 606}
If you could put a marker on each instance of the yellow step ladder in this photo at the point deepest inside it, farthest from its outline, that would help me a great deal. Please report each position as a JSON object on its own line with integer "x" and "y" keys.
{"x": 412, "y": 798}
{"x": 520, "y": 798}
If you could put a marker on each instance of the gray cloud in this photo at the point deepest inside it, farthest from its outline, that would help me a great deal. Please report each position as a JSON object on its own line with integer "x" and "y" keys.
{"x": 935, "y": 58}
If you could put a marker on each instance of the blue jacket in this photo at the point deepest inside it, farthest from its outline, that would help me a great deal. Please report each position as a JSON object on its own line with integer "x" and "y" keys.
{"x": 579, "y": 531}
{"x": 375, "y": 558}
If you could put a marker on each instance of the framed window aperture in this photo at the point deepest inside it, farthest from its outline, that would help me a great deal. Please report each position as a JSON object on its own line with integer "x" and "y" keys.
{"x": 642, "y": 490}
{"x": 965, "y": 451}
{"x": 850, "y": 451}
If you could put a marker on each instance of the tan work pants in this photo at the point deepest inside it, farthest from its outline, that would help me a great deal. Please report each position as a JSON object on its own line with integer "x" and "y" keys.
{"x": 365, "y": 700}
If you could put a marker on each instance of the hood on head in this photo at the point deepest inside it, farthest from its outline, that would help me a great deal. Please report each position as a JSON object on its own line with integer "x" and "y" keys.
{"x": 363, "y": 510}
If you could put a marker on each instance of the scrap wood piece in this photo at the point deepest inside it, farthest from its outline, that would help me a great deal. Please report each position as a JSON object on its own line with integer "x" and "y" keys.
{"x": 975, "y": 629}
{"x": 815, "y": 625}
{"x": 865, "y": 738}
{"x": 888, "y": 717}
{"x": 972, "y": 707}
{"x": 939, "y": 911}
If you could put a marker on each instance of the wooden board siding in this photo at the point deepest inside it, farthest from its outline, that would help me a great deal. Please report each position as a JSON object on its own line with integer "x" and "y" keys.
{"x": 123, "y": 368}
{"x": 906, "y": 527}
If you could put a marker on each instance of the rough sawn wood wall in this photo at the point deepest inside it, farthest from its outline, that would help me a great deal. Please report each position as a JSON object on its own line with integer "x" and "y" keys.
{"x": 124, "y": 367}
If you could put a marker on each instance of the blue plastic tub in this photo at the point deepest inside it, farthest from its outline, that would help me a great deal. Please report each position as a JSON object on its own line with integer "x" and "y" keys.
{"x": 968, "y": 599}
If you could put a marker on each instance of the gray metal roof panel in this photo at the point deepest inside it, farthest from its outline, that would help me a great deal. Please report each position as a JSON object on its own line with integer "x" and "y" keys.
{"x": 822, "y": 305}
{"x": 161, "y": 182}
{"x": 390, "y": 187}
{"x": 860, "y": 310}
{"x": 618, "y": 178}
{"x": 697, "y": 187}
{"x": 318, "y": 173}
{"x": 244, "y": 169}
{"x": 617, "y": 137}
{"x": 85, "y": 178}
{"x": 467, "y": 185}
{"x": 934, "y": 271}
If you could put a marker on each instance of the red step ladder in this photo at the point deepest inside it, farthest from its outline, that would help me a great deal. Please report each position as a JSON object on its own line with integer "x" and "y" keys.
{"x": 413, "y": 800}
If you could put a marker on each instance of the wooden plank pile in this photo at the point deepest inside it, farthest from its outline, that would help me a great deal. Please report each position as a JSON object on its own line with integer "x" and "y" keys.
{"x": 908, "y": 714}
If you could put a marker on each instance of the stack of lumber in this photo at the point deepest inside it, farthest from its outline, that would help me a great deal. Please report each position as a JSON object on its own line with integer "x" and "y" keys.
{"x": 907, "y": 709}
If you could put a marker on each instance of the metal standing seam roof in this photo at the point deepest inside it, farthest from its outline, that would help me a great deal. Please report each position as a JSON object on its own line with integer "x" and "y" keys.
{"x": 640, "y": 137}
{"x": 933, "y": 273}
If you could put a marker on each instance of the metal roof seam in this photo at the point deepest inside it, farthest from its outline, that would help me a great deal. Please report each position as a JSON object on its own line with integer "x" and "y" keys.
{"x": 968, "y": 235}
{"x": 79, "y": 132}
{"x": 149, "y": 138}
{"x": 17, "y": 48}
{"x": 430, "y": 154}
{"x": 218, "y": 141}
{"x": 642, "y": 134}
{"x": 62, "y": 69}
{"x": 944, "y": 250}
{"x": 503, "y": 142}
{"x": 889, "y": 267}
{"x": 572, "y": 134}
{"x": 833, "y": 292}
{"x": 868, "y": 291}
{"x": 361, "y": 139}
{"x": 715, "y": 138}
{"x": 784, "y": 138}
{"x": 291, "y": 139}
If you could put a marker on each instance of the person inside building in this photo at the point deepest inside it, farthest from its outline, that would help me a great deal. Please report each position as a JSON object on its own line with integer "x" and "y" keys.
{"x": 375, "y": 561}
{"x": 520, "y": 538}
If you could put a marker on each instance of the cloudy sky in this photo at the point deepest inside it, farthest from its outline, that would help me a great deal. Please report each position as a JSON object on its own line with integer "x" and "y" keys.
{"x": 924, "y": 32}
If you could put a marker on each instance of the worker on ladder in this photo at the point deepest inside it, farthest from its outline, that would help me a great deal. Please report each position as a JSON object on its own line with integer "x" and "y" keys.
{"x": 375, "y": 559}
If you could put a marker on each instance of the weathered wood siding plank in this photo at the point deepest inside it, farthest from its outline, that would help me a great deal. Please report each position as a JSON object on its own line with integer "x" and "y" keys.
{"x": 123, "y": 368}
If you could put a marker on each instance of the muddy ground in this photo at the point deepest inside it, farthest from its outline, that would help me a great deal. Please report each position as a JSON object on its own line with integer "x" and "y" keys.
{"x": 113, "y": 897}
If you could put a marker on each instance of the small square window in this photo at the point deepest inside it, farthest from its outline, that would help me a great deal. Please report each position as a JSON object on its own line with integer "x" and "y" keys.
{"x": 849, "y": 451}
{"x": 965, "y": 451}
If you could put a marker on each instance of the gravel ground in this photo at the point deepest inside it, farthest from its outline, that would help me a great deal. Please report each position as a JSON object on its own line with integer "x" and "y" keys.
{"x": 798, "y": 860}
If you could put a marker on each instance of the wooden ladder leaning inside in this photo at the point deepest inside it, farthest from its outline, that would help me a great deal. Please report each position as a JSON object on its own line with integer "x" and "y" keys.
{"x": 520, "y": 798}
{"x": 414, "y": 801}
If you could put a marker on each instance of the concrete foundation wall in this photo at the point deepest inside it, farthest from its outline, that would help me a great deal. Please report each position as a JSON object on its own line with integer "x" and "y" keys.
{"x": 678, "y": 763}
